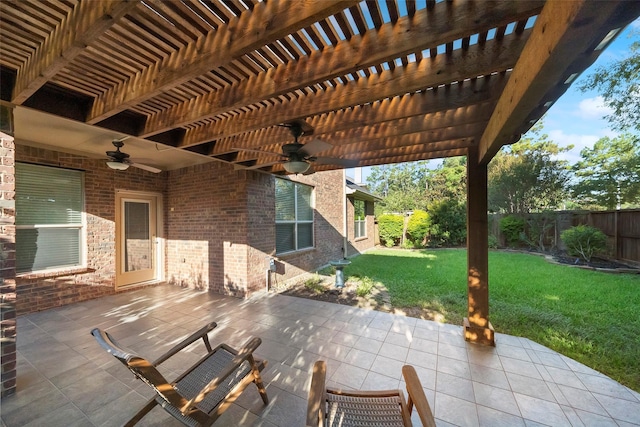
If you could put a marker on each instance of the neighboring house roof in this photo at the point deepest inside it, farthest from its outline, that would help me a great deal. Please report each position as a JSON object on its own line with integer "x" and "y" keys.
{"x": 359, "y": 192}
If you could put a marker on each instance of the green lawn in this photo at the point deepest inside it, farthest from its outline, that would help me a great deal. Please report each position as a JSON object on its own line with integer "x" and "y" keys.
{"x": 590, "y": 316}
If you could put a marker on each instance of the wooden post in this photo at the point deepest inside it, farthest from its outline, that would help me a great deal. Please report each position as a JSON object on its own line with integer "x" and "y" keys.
{"x": 477, "y": 327}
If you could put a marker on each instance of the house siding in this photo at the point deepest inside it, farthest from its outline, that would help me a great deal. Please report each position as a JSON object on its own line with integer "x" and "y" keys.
{"x": 328, "y": 227}
{"x": 36, "y": 292}
{"x": 7, "y": 266}
{"x": 219, "y": 229}
{"x": 361, "y": 244}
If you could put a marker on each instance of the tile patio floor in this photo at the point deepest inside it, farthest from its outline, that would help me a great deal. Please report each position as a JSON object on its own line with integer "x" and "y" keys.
{"x": 66, "y": 379}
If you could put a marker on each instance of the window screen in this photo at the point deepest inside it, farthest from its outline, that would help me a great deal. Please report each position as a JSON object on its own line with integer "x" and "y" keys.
{"x": 294, "y": 216}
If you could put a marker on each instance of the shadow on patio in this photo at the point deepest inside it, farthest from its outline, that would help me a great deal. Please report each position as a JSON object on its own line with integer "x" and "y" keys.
{"x": 66, "y": 379}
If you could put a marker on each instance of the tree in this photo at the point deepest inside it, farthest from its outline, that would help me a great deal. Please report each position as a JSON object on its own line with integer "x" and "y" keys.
{"x": 401, "y": 186}
{"x": 448, "y": 181}
{"x": 609, "y": 173}
{"x": 619, "y": 85}
{"x": 527, "y": 177}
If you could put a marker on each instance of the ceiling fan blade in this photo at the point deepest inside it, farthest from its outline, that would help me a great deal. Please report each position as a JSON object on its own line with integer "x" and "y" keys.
{"x": 315, "y": 146}
{"x": 145, "y": 167}
{"x": 347, "y": 163}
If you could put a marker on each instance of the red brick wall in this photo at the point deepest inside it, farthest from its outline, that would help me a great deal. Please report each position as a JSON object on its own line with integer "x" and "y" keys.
{"x": 7, "y": 267}
{"x": 207, "y": 228}
{"x": 328, "y": 222}
{"x": 43, "y": 291}
{"x": 361, "y": 244}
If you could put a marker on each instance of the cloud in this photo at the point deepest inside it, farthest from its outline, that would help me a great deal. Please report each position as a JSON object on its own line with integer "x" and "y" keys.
{"x": 578, "y": 141}
{"x": 592, "y": 108}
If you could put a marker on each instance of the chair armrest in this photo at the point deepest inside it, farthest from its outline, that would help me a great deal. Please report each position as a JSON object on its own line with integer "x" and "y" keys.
{"x": 246, "y": 353}
{"x": 315, "y": 405}
{"x": 417, "y": 397}
{"x": 201, "y": 333}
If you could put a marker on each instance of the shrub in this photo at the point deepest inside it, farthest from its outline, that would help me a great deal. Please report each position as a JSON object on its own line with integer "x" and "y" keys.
{"x": 448, "y": 223}
{"x": 512, "y": 227}
{"x": 584, "y": 241}
{"x": 390, "y": 227}
{"x": 418, "y": 228}
{"x": 364, "y": 287}
{"x": 493, "y": 241}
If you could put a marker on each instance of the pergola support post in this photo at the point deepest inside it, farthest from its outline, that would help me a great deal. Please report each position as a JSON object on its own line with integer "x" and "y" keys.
{"x": 477, "y": 328}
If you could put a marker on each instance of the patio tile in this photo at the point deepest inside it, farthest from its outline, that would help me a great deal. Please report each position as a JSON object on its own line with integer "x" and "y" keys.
{"x": 386, "y": 366}
{"x": 420, "y": 358}
{"x": 520, "y": 367}
{"x": 485, "y": 375}
{"x": 376, "y": 381}
{"x": 349, "y": 376}
{"x": 452, "y": 352}
{"x": 620, "y": 409}
{"x": 517, "y": 383}
{"x": 494, "y": 418}
{"x": 456, "y": 411}
{"x": 454, "y": 367}
{"x": 541, "y": 411}
{"x": 496, "y": 398}
{"x": 394, "y": 352}
{"x": 368, "y": 344}
{"x": 360, "y": 358}
{"x": 67, "y": 415}
{"x": 530, "y": 387}
{"x": 454, "y": 386}
{"x": 399, "y": 339}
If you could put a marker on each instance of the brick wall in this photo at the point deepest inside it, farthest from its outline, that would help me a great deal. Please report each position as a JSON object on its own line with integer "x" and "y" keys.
{"x": 207, "y": 228}
{"x": 328, "y": 222}
{"x": 361, "y": 244}
{"x": 44, "y": 291}
{"x": 7, "y": 267}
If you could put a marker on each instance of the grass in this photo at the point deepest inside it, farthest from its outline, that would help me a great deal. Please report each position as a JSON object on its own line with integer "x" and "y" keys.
{"x": 589, "y": 316}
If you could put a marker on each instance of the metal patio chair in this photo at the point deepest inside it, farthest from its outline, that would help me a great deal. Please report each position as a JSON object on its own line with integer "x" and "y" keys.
{"x": 350, "y": 408}
{"x": 202, "y": 393}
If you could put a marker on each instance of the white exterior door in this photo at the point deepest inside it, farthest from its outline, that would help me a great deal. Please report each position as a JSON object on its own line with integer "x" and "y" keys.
{"x": 136, "y": 238}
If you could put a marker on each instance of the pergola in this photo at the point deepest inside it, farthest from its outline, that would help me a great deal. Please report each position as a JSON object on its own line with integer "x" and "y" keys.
{"x": 380, "y": 81}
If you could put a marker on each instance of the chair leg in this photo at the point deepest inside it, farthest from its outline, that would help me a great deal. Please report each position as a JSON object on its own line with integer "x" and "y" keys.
{"x": 257, "y": 378}
{"x": 142, "y": 412}
{"x": 261, "y": 390}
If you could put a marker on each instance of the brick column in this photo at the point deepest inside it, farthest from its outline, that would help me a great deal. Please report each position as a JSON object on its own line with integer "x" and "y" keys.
{"x": 7, "y": 265}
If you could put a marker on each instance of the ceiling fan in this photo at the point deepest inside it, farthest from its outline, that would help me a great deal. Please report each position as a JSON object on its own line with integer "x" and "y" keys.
{"x": 119, "y": 160}
{"x": 299, "y": 157}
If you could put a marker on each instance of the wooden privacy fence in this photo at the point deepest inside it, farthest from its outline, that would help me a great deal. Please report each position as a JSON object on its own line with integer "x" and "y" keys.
{"x": 622, "y": 228}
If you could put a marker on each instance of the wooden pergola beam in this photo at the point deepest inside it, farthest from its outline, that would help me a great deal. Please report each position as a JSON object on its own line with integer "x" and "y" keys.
{"x": 430, "y": 126}
{"x": 395, "y": 137}
{"x": 564, "y": 32}
{"x": 265, "y": 23}
{"x": 426, "y": 29}
{"x": 444, "y": 106}
{"x": 87, "y": 22}
{"x": 478, "y": 60}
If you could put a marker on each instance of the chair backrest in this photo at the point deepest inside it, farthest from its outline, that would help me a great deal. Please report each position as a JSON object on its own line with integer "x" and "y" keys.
{"x": 140, "y": 367}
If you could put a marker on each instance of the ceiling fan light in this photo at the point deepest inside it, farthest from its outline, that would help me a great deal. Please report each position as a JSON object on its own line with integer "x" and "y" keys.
{"x": 296, "y": 166}
{"x": 119, "y": 166}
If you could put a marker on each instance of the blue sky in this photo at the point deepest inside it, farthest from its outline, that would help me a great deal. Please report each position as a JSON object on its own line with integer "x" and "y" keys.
{"x": 577, "y": 118}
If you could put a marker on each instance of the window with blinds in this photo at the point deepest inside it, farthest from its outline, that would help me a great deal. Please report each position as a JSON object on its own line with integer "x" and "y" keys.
{"x": 49, "y": 218}
{"x": 360, "y": 226}
{"x": 294, "y": 216}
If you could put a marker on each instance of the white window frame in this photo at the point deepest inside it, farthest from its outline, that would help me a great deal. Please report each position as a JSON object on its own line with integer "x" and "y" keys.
{"x": 296, "y": 221}
{"x": 81, "y": 227}
{"x": 360, "y": 224}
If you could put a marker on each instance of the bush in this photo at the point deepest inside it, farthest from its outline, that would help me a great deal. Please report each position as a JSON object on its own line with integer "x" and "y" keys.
{"x": 512, "y": 227}
{"x": 584, "y": 241}
{"x": 448, "y": 223}
{"x": 493, "y": 241}
{"x": 390, "y": 227}
{"x": 418, "y": 228}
